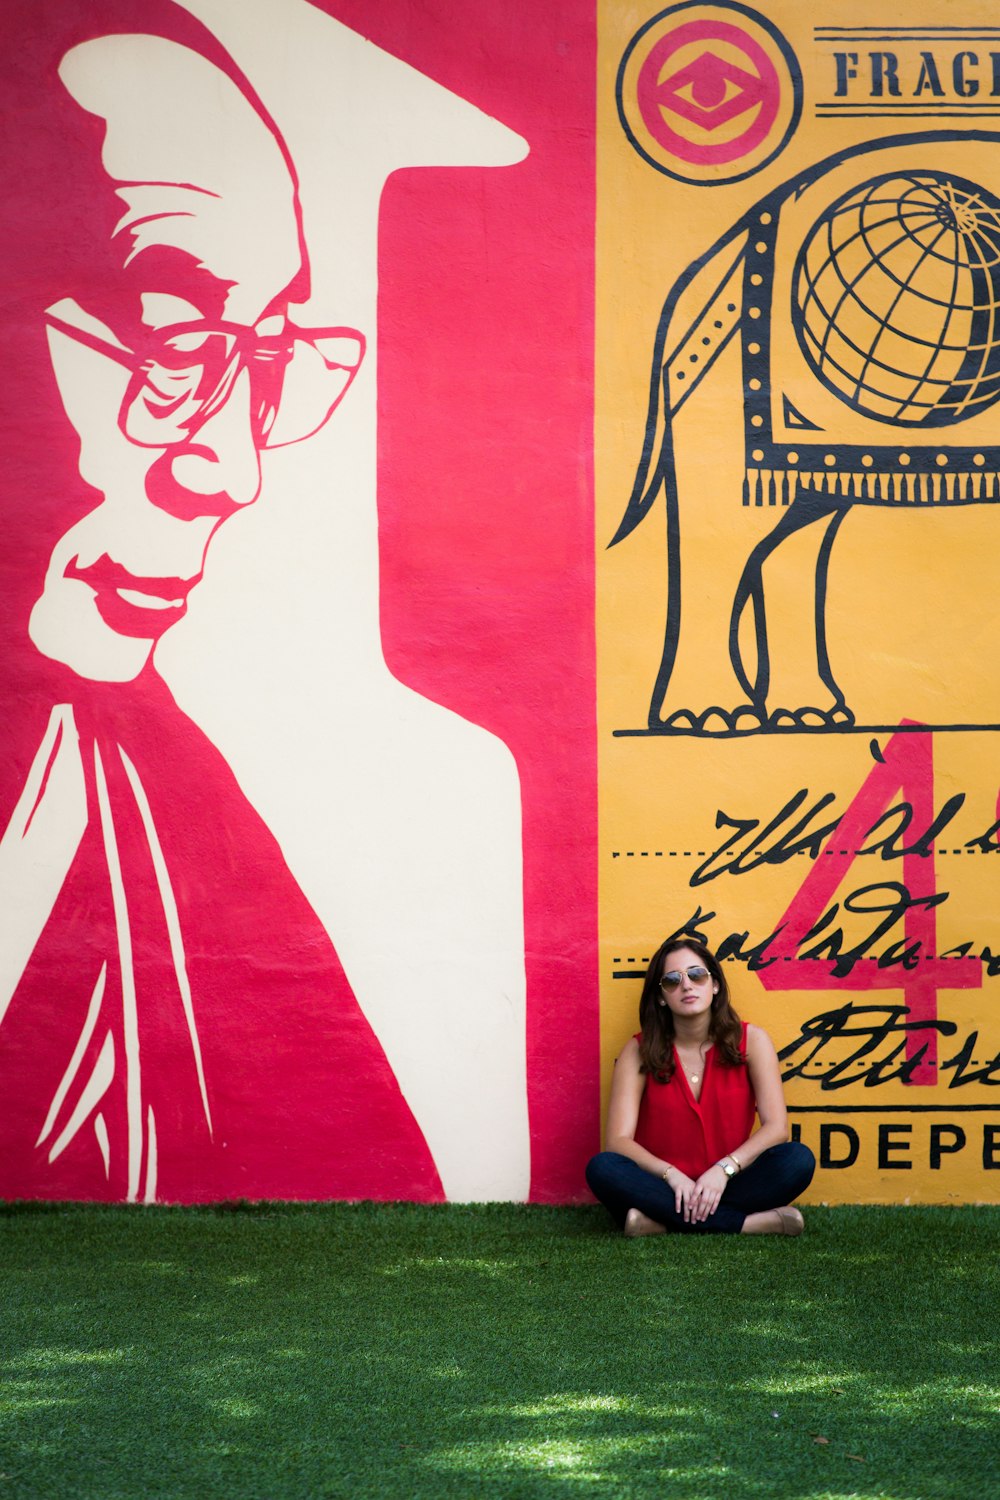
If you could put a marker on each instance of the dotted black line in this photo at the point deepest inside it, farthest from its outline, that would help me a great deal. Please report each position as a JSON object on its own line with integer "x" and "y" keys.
{"x": 791, "y": 958}
{"x": 843, "y": 853}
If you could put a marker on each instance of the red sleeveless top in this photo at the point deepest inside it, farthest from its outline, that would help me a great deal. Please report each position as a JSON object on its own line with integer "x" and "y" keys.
{"x": 693, "y": 1133}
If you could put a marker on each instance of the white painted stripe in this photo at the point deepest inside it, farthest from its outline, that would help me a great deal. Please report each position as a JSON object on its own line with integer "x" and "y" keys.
{"x": 130, "y": 1013}
{"x": 101, "y": 1131}
{"x": 39, "y": 846}
{"x": 173, "y": 922}
{"x": 149, "y": 1196}
{"x": 74, "y": 1063}
{"x": 96, "y": 1087}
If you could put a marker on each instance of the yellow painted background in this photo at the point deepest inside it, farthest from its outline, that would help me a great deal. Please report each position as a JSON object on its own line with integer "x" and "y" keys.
{"x": 913, "y": 628}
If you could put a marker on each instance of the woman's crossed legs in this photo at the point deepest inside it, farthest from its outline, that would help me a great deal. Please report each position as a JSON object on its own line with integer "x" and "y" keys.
{"x": 775, "y": 1179}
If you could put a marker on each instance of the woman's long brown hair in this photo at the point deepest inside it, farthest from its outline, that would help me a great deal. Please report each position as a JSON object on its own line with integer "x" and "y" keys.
{"x": 656, "y": 1046}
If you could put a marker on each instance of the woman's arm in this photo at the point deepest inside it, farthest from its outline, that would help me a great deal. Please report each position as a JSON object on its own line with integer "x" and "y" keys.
{"x": 765, "y": 1079}
{"x": 627, "y": 1087}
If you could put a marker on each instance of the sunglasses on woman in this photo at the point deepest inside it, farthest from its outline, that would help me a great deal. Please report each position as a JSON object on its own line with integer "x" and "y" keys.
{"x": 674, "y": 978}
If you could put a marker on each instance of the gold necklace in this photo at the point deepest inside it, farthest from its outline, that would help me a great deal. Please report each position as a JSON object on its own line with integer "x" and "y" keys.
{"x": 695, "y": 1076}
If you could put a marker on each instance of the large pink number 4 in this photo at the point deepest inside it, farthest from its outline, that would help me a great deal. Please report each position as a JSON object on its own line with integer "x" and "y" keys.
{"x": 906, "y": 767}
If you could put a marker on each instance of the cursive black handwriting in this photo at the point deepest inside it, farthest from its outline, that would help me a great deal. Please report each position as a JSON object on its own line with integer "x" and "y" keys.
{"x": 867, "y": 1044}
{"x": 801, "y": 829}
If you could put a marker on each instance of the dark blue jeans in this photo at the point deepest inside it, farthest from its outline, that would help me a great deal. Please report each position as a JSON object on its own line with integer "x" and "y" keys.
{"x": 775, "y": 1179}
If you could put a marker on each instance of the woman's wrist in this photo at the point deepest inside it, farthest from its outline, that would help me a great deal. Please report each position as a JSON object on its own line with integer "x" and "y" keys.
{"x": 667, "y": 1169}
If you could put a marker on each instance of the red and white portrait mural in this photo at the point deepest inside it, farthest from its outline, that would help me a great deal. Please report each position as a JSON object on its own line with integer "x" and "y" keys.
{"x": 297, "y": 744}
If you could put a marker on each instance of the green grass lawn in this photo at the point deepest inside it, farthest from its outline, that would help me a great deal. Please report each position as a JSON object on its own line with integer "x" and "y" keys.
{"x": 392, "y": 1350}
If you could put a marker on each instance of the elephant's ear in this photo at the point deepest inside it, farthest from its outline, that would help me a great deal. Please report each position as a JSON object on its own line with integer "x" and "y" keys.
{"x": 704, "y": 304}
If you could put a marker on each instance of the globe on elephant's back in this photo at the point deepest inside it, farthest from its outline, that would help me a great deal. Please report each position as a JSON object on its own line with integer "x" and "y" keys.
{"x": 896, "y": 298}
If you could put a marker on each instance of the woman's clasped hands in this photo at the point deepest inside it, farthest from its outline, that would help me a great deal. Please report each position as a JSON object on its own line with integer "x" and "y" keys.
{"x": 695, "y": 1200}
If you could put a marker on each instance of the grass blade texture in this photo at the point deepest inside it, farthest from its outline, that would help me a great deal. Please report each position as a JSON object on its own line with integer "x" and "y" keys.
{"x": 396, "y": 1350}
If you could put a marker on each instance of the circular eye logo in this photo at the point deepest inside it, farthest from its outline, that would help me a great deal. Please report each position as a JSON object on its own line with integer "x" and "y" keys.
{"x": 709, "y": 93}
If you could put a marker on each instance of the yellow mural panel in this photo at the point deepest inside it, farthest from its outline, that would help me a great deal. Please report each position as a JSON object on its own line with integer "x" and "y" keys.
{"x": 798, "y": 464}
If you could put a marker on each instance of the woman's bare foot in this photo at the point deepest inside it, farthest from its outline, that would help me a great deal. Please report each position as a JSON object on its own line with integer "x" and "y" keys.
{"x": 771, "y": 1221}
{"x": 637, "y": 1223}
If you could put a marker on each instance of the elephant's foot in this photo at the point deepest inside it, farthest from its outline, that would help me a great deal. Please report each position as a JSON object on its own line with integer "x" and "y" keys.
{"x": 814, "y": 719}
{"x": 746, "y": 719}
{"x": 714, "y": 720}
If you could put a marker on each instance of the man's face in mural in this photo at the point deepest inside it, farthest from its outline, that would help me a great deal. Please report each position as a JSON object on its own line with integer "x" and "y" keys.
{"x": 189, "y": 368}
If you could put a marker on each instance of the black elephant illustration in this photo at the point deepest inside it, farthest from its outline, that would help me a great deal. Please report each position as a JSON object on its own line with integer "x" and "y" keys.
{"x": 839, "y": 346}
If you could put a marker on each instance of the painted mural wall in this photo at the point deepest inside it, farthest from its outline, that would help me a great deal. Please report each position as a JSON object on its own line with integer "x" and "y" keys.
{"x": 435, "y": 432}
{"x": 798, "y": 277}
{"x": 298, "y": 741}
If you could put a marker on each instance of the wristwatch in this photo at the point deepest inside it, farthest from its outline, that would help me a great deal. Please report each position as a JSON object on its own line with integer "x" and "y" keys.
{"x": 729, "y": 1166}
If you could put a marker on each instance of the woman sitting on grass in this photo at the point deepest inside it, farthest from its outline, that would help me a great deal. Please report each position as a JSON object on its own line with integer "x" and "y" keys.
{"x": 682, "y": 1153}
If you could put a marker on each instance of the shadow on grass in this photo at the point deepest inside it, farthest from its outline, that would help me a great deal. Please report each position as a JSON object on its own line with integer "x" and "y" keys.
{"x": 384, "y": 1350}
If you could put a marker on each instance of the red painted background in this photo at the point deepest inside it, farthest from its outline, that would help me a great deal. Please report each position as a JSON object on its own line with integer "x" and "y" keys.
{"x": 486, "y": 482}
{"x": 485, "y": 494}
